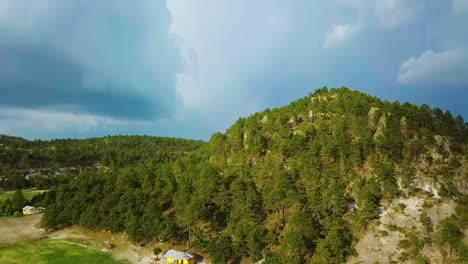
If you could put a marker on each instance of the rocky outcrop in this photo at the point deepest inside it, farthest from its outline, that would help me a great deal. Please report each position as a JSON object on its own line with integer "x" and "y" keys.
{"x": 381, "y": 242}
{"x": 323, "y": 98}
{"x": 381, "y": 125}
{"x": 373, "y": 117}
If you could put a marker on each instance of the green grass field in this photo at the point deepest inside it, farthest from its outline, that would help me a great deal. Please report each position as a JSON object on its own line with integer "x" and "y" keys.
{"x": 28, "y": 194}
{"x": 53, "y": 251}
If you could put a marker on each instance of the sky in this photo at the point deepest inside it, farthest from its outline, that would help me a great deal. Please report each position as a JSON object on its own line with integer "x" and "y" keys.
{"x": 85, "y": 68}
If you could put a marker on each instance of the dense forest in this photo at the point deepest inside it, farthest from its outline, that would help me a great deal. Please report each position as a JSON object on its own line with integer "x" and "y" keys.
{"x": 43, "y": 164}
{"x": 297, "y": 184}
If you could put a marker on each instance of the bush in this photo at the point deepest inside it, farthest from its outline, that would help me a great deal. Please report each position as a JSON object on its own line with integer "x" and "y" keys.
{"x": 421, "y": 260}
{"x": 401, "y": 207}
{"x": 427, "y": 204}
{"x": 448, "y": 232}
{"x": 393, "y": 227}
{"x": 384, "y": 233}
{"x": 462, "y": 212}
{"x": 426, "y": 221}
{"x": 157, "y": 251}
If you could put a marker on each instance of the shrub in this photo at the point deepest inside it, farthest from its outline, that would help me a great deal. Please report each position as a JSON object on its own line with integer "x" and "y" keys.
{"x": 157, "y": 251}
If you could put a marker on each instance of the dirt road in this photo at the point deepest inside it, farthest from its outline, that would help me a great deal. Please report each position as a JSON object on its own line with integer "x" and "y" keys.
{"x": 15, "y": 229}
{"x": 27, "y": 228}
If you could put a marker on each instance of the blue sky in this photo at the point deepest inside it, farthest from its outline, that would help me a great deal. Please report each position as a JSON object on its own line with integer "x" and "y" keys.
{"x": 191, "y": 68}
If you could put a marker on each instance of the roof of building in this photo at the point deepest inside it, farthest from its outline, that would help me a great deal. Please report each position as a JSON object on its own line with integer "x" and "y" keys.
{"x": 175, "y": 254}
{"x": 28, "y": 207}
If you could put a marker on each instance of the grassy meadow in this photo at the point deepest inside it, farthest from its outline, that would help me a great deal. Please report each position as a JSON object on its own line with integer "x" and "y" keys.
{"x": 28, "y": 194}
{"x": 53, "y": 251}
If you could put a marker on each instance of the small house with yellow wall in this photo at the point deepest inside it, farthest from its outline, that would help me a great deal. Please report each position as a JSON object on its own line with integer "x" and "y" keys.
{"x": 30, "y": 210}
{"x": 178, "y": 257}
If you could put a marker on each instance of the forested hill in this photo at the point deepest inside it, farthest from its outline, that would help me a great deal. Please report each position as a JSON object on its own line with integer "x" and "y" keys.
{"x": 299, "y": 184}
{"x": 40, "y": 163}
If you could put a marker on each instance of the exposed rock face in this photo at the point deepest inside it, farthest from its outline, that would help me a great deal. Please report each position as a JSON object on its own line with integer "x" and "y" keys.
{"x": 427, "y": 185}
{"x": 438, "y": 139}
{"x": 403, "y": 125}
{"x": 380, "y": 242}
{"x": 462, "y": 187}
{"x": 436, "y": 156}
{"x": 381, "y": 125}
{"x": 300, "y": 118}
{"x": 323, "y": 98}
{"x": 299, "y": 132}
{"x": 292, "y": 121}
{"x": 244, "y": 141}
{"x": 442, "y": 142}
{"x": 373, "y": 116}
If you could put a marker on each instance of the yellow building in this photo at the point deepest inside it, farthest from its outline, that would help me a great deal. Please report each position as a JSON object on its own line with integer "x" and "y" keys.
{"x": 178, "y": 257}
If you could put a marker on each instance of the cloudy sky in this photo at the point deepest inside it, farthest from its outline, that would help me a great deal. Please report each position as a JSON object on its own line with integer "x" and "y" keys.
{"x": 81, "y": 68}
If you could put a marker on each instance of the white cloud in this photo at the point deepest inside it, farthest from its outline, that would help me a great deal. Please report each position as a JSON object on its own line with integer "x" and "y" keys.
{"x": 249, "y": 52}
{"x": 340, "y": 33}
{"x": 448, "y": 67}
{"x": 386, "y": 14}
{"x": 224, "y": 46}
{"x": 16, "y": 121}
{"x": 460, "y": 6}
{"x": 109, "y": 52}
{"x": 394, "y": 13}
{"x": 380, "y": 15}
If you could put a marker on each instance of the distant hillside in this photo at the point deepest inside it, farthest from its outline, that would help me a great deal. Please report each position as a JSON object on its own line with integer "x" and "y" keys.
{"x": 322, "y": 180}
{"x": 40, "y": 163}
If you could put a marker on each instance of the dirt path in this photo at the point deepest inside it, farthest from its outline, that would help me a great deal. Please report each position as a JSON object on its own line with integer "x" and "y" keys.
{"x": 100, "y": 240}
{"x": 124, "y": 249}
{"x": 15, "y": 229}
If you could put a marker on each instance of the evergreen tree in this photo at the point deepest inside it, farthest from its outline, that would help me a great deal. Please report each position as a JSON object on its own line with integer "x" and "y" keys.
{"x": 17, "y": 201}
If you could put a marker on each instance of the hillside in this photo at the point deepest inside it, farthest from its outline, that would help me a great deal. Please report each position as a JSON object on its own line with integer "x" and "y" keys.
{"x": 333, "y": 164}
{"x": 335, "y": 176}
{"x": 43, "y": 164}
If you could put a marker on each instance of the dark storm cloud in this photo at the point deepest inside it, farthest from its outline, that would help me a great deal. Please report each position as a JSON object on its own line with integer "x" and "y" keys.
{"x": 109, "y": 58}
